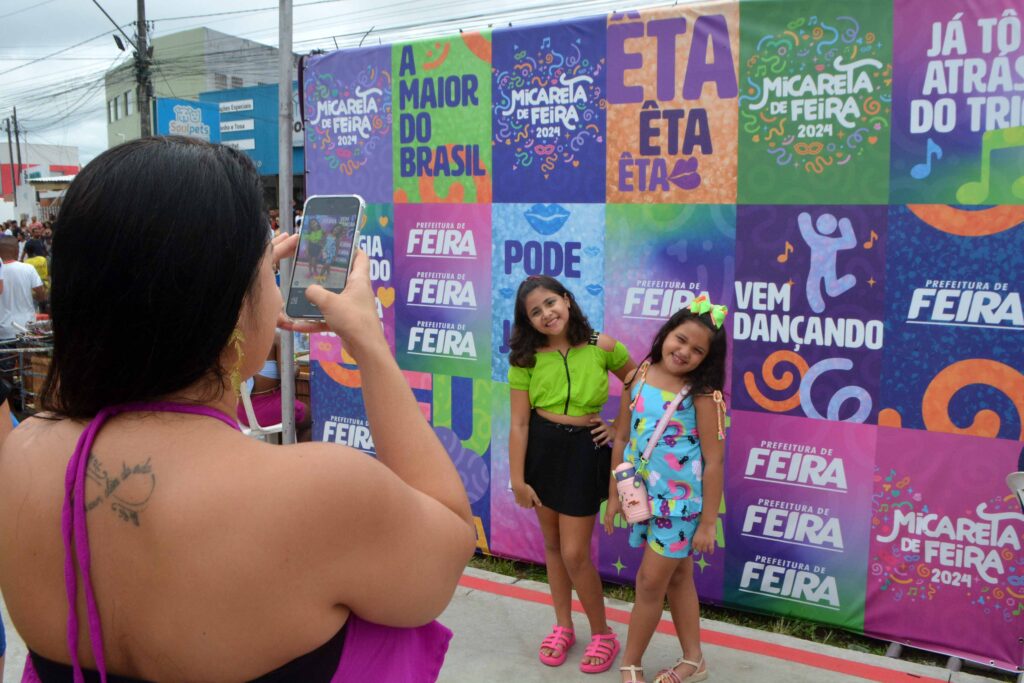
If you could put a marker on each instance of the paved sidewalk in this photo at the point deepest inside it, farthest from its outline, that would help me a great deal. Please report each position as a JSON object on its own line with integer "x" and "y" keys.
{"x": 499, "y": 622}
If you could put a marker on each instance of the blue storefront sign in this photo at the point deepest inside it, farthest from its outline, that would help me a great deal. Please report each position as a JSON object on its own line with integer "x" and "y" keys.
{"x": 248, "y": 122}
{"x": 191, "y": 119}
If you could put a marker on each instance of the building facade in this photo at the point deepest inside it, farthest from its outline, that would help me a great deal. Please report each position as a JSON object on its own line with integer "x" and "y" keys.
{"x": 37, "y": 161}
{"x": 183, "y": 65}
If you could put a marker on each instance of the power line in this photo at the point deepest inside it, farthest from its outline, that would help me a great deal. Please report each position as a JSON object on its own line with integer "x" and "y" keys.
{"x": 58, "y": 52}
{"x": 25, "y": 9}
{"x": 243, "y": 11}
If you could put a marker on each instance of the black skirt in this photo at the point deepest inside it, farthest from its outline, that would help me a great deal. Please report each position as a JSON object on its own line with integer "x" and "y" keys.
{"x": 569, "y": 473}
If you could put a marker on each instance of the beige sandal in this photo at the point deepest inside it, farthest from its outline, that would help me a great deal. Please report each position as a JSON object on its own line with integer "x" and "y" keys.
{"x": 632, "y": 672}
{"x": 670, "y": 675}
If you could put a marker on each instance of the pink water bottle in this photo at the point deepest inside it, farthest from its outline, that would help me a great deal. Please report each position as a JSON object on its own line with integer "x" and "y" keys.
{"x": 632, "y": 494}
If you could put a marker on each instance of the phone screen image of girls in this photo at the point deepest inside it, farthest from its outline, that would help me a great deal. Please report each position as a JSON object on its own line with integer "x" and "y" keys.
{"x": 324, "y": 255}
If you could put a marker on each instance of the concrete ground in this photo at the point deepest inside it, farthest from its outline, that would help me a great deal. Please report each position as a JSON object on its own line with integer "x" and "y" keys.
{"x": 499, "y": 621}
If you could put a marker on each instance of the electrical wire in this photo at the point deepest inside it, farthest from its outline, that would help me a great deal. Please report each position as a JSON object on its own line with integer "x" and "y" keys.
{"x": 257, "y": 61}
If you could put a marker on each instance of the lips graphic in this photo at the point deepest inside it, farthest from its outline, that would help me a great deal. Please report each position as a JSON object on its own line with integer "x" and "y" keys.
{"x": 684, "y": 174}
{"x": 546, "y": 219}
{"x": 506, "y": 293}
{"x": 594, "y": 289}
{"x": 544, "y": 150}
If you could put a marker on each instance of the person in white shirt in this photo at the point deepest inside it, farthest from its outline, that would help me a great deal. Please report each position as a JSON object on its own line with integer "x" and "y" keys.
{"x": 22, "y": 287}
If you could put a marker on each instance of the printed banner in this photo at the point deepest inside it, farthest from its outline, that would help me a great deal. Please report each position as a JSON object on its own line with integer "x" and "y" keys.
{"x": 659, "y": 258}
{"x": 754, "y": 159}
{"x": 815, "y": 108}
{"x": 549, "y": 112}
{"x": 955, "y": 322}
{"x": 443, "y": 274}
{"x": 347, "y": 111}
{"x": 442, "y": 99}
{"x": 808, "y": 328}
{"x": 457, "y": 408}
{"x": 564, "y": 241}
{"x": 946, "y": 540}
{"x": 672, "y": 104}
{"x": 515, "y": 531}
{"x": 461, "y": 417}
{"x": 339, "y": 415}
{"x": 798, "y": 534}
{"x": 958, "y": 109}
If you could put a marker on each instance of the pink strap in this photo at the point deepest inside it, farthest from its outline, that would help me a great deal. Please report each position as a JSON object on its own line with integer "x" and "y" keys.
{"x": 601, "y": 645}
{"x": 663, "y": 422}
{"x": 76, "y": 533}
{"x": 557, "y": 639}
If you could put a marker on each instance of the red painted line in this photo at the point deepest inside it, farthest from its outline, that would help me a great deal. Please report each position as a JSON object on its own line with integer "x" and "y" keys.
{"x": 790, "y": 654}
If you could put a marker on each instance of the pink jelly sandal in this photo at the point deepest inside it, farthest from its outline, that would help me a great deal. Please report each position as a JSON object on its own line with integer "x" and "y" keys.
{"x": 603, "y": 646}
{"x": 672, "y": 676}
{"x": 560, "y": 640}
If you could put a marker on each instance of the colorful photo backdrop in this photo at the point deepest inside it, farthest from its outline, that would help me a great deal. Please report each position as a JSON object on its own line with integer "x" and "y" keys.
{"x": 860, "y": 214}
{"x": 549, "y": 113}
{"x": 816, "y": 102}
{"x": 958, "y": 118}
{"x": 810, "y": 308}
{"x": 442, "y": 104}
{"x": 347, "y": 110}
{"x": 672, "y": 113}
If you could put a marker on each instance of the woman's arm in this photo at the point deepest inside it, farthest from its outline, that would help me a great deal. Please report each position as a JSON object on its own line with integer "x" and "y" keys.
{"x": 713, "y": 452}
{"x": 355, "y": 534}
{"x": 403, "y": 439}
{"x": 388, "y": 538}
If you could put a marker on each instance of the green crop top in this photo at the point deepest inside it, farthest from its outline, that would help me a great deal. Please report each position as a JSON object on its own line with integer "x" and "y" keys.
{"x": 574, "y": 384}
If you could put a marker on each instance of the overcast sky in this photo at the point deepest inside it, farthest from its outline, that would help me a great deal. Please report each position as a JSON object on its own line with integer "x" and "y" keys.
{"x": 60, "y": 97}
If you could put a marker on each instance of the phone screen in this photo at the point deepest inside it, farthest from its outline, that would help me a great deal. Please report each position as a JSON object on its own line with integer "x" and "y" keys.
{"x": 327, "y": 240}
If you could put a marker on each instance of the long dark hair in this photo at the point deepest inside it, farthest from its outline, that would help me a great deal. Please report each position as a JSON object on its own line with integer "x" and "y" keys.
{"x": 525, "y": 340}
{"x": 158, "y": 242}
{"x": 710, "y": 374}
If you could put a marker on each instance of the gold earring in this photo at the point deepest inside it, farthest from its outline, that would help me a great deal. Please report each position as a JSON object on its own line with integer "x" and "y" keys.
{"x": 236, "y": 339}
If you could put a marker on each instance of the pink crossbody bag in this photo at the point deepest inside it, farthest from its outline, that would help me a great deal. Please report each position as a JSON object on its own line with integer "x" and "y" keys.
{"x": 631, "y": 489}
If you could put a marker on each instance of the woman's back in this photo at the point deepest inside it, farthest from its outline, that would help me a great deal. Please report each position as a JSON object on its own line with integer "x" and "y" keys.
{"x": 213, "y": 557}
{"x": 185, "y": 537}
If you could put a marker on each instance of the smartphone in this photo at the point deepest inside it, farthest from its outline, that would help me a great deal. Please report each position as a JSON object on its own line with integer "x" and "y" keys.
{"x": 328, "y": 239}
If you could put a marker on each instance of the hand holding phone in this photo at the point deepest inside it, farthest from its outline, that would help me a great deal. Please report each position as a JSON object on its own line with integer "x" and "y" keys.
{"x": 352, "y": 315}
{"x": 328, "y": 240}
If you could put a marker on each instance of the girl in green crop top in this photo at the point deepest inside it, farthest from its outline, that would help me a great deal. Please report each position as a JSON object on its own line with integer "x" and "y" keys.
{"x": 558, "y": 451}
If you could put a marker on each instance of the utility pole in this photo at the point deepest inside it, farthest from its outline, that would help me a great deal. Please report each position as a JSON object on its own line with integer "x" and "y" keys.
{"x": 17, "y": 146}
{"x": 142, "y": 71}
{"x": 10, "y": 155}
{"x": 284, "y": 204}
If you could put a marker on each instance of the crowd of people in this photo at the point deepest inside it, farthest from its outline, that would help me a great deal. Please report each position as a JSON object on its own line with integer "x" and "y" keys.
{"x": 173, "y": 524}
{"x": 25, "y": 242}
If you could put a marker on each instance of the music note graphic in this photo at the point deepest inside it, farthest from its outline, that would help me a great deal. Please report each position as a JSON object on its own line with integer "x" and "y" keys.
{"x": 977, "y": 191}
{"x": 871, "y": 242}
{"x": 922, "y": 171}
{"x": 784, "y": 256}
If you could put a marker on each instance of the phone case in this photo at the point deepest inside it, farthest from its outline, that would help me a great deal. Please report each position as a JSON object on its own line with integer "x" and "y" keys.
{"x": 305, "y": 313}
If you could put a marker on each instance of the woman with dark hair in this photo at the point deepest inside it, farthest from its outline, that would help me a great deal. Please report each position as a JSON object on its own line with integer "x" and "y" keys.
{"x": 202, "y": 554}
{"x": 558, "y": 451}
